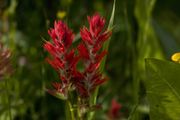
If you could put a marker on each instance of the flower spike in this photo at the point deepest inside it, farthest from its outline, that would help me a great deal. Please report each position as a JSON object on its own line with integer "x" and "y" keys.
{"x": 89, "y": 50}
{"x": 63, "y": 59}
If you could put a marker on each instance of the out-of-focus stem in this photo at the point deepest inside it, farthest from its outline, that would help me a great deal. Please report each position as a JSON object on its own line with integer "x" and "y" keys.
{"x": 79, "y": 114}
{"x": 69, "y": 111}
{"x": 8, "y": 100}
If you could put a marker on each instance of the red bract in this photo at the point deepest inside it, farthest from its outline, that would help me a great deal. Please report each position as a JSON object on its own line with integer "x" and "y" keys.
{"x": 63, "y": 59}
{"x": 114, "y": 111}
{"x": 96, "y": 24}
{"x": 89, "y": 50}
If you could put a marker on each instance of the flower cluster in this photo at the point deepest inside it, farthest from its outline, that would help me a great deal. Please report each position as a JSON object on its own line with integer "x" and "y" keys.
{"x": 64, "y": 60}
{"x": 5, "y": 66}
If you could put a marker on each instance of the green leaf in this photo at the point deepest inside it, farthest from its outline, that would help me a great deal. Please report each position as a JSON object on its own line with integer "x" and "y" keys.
{"x": 163, "y": 89}
{"x": 106, "y": 44}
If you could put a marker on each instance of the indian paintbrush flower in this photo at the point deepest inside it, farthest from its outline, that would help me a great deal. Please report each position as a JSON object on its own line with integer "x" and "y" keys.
{"x": 89, "y": 50}
{"x": 64, "y": 59}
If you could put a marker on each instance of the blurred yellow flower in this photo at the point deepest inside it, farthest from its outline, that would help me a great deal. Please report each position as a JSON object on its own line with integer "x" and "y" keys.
{"x": 176, "y": 57}
{"x": 61, "y": 14}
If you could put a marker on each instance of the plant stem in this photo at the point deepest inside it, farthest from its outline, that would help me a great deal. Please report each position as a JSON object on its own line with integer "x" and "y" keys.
{"x": 8, "y": 100}
{"x": 132, "y": 112}
{"x": 69, "y": 111}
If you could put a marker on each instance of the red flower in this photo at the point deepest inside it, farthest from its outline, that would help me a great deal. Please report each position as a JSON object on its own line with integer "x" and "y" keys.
{"x": 89, "y": 50}
{"x": 63, "y": 59}
{"x": 96, "y": 24}
{"x": 61, "y": 34}
{"x": 114, "y": 111}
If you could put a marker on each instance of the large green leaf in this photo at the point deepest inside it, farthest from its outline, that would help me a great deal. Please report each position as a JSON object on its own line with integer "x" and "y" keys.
{"x": 163, "y": 89}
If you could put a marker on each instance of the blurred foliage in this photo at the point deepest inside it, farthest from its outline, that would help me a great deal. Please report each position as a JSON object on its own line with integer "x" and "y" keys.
{"x": 142, "y": 28}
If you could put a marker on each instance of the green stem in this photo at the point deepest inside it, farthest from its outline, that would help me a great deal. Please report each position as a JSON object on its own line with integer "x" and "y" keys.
{"x": 8, "y": 100}
{"x": 69, "y": 111}
{"x": 80, "y": 116}
{"x": 132, "y": 112}
{"x": 93, "y": 102}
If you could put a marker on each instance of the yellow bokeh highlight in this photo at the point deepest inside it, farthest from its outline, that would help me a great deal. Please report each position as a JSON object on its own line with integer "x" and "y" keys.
{"x": 61, "y": 14}
{"x": 176, "y": 57}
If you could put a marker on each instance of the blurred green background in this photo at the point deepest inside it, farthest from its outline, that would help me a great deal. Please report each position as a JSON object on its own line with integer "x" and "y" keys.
{"x": 142, "y": 29}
